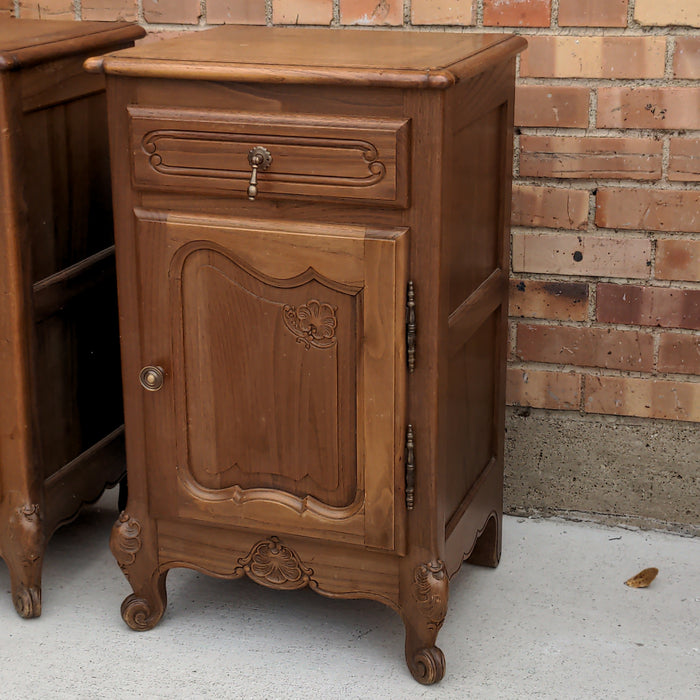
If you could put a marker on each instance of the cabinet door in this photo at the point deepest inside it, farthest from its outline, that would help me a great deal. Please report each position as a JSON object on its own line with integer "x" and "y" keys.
{"x": 283, "y": 352}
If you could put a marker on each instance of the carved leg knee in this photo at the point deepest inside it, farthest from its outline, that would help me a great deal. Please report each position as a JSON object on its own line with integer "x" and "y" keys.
{"x": 23, "y": 551}
{"x": 424, "y": 606}
{"x": 136, "y": 556}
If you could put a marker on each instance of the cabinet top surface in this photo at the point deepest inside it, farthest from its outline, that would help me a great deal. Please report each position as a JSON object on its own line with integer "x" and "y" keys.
{"x": 28, "y": 41}
{"x": 299, "y": 55}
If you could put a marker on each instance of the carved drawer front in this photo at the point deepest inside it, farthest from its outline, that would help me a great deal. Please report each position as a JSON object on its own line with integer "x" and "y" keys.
{"x": 284, "y": 359}
{"x": 311, "y": 156}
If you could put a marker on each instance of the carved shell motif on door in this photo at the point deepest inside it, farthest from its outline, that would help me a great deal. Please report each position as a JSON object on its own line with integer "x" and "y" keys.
{"x": 313, "y": 323}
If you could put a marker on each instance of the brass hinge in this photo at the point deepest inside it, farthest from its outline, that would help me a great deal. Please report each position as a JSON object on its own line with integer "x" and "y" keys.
{"x": 410, "y": 469}
{"x": 411, "y": 327}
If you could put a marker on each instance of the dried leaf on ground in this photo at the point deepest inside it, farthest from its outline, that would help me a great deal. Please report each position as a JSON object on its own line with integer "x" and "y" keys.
{"x": 642, "y": 579}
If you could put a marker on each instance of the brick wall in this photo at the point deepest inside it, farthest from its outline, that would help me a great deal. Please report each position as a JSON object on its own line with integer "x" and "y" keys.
{"x": 605, "y": 304}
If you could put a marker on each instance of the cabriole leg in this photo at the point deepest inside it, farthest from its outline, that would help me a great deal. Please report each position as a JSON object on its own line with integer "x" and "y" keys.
{"x": 136, "y": 555}
{"x": 424, "y": 605}
{"x": 23, "y": 550}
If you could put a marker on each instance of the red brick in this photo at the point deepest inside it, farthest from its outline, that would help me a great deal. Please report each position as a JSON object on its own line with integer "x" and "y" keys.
{"x": 551, "y": 105}
{"x": 549, "y": 207}
{"x": 592, "y": 13}
{"x": 569, "y": 254}
{"x": 586, "y": 347}
{"x": 668, "y": 12}
{"x": 679, "y": 353}
{"x": 307, "y": 12}
{"x": 678, "y": 259}
{"x": 47, "y": 9}
{"x": 590, "y": 157}
{"x": 650, "y": 210}
{"x": 108, "y": 10}
{"x": 649, "y": 108}
{"x": 594, "y": 57}
{"x": 684, "y": 161}
{"x": 235, "y": 11}
{"x": 647, "y": 398}
{"x": 517, "y": 13}
{"x": 561, "y": 301}
{"x": 648, "y": 306}
{"x": 543, "y": 388}
{"x": 171, "y": 11}
{"x": 686, "y": 58}
{"x": 370, "y": 12}
{"x": 457, "y": 12}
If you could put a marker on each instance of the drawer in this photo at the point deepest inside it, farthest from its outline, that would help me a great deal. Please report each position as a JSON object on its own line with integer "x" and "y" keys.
{"x": 313, "y": 156}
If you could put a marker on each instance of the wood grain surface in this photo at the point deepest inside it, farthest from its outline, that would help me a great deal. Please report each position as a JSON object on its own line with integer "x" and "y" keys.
{"x": 276, "y": 447}
{"x": 61, "y": 434}
{"x": 316, "y": 56}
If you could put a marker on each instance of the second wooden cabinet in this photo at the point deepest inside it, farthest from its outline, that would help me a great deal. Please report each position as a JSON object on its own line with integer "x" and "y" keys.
{"x": 312, "y": 256}
{"x": 61, "y": 433}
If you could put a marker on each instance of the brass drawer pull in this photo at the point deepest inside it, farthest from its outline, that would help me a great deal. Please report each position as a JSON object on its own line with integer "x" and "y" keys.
{"x": 259, "y": 159}
{"x": 152, "y": 378}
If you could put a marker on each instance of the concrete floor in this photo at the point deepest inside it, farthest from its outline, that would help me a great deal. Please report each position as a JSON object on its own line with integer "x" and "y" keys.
{"x": 553, "y": 621}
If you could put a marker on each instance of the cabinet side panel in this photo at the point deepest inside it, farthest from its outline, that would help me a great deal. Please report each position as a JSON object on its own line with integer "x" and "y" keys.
{"x": 473, "y": 242}
{"x": 69, "y": 217}
{"x": 68, "y": 195}
{"x": 78, "y": 385}
{"x": 471, "y": 420}
{"x": 476, "y": 186}
{"x": 16, "y": 424}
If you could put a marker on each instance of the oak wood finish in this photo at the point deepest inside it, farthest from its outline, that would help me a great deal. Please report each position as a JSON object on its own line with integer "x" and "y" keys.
{"x": 276, "y": 447}
{"x": 322, "y": 157}
{"x": 61, "y": 433}
{"x": 245, "y": 54}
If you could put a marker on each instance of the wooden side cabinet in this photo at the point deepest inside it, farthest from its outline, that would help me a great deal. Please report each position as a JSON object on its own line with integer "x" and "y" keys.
{"x": 312, "y": 253}
{"x": 61, "y": 434}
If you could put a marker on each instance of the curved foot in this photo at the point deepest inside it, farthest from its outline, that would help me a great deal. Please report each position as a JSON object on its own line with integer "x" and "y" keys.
{"x": 487, "y": 549}
{"x": 140, "y": 613}
{"x": 427, "y": 665}
{"x": 27, "y": 601}
{"x": 22, "y": 544}
{"x": 132, "y": 544}
{"x": 423, "y": 608}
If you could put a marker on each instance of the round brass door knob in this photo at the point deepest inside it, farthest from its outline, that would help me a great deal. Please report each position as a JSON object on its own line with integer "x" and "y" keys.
{"x": 152, "y": 378}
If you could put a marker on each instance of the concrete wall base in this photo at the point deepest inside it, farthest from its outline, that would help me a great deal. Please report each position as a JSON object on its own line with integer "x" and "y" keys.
{"x": 616, "y": 471}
